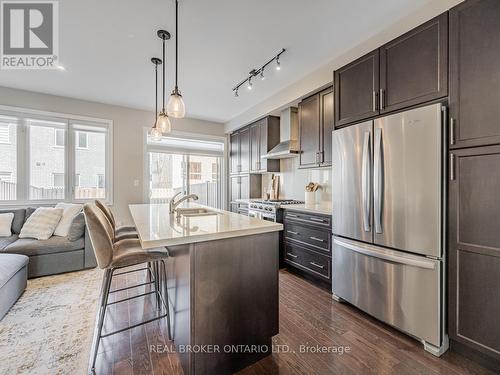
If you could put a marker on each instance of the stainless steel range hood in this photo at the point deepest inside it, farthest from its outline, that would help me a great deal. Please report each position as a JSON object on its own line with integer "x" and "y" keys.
{"x": 289, "y": 134}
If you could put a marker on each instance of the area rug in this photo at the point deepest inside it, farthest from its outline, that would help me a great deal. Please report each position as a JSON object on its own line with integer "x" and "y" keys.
{"x": 49, "y": 330}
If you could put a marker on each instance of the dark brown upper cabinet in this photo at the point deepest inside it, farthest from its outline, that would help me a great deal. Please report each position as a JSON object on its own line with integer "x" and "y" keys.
{"x": 309, "y": 131}
{"x": 414, "y": 67}
{"x": 475, "y": 73}
{"x": 234, "y": 153}
{"x": 326, "y": 104}
{"x": 245, "y": 150}
{"x": 265, "y": 134}
{"x": 474, "y": 249}
{"x": 316, "y": 126}
{"x": 356, "y": 89}
{"x": 405, "y": 72}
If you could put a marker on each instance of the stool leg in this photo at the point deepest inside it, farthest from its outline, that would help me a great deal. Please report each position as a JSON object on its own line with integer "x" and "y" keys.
{"x": 165, "y": 297}
{"x": 108, "y": 275}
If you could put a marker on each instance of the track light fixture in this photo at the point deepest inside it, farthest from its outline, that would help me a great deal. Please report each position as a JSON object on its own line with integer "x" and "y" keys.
{"x": 260, "y": 71}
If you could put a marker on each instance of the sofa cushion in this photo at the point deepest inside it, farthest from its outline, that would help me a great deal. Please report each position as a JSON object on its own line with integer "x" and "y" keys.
{"x": 54, "y": 244}
{"x": 6, "y": 224}
{"x": 6, "y": 241}
{"x": 10, "y": 264}
{"x": 70, "y": 210}
{"x": 42, "y": 223}
{"x": 18, "y": 221}
{"x": 77, "y": 228}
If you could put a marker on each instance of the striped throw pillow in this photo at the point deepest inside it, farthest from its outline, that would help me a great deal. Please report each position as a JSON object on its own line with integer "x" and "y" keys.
{"x": 42, "y": 223}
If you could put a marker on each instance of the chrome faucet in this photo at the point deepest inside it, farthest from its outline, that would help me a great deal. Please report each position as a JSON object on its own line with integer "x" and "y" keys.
{"x": 172, "y": 205}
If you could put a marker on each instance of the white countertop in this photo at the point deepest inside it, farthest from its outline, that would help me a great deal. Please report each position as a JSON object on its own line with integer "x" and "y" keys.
{"x": 324, "y": 208}
{"x": 157, "y": 227}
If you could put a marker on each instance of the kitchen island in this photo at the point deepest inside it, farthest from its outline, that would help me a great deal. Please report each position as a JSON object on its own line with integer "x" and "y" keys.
{"x": 222, "y": 283}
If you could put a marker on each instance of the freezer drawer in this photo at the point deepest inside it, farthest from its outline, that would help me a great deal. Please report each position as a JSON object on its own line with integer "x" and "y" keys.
{"x": 400, "y": 289}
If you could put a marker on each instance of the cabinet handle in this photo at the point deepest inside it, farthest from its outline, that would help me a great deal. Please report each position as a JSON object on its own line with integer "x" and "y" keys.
{"x": 291, "y": 215}
{"x": 317, "y": 265}
{"x": 322, "y": 156}
{"x": 452, "y": 167}
{"x": 452, "y": 131}
{"x": 382, "y": 99}
{"x": 292, "y": 255}
{"x": 317, "y": 239}
{"x": 374, "y": 101}
{"x": 289, "y": 231}
{"x": 316, "y": 219}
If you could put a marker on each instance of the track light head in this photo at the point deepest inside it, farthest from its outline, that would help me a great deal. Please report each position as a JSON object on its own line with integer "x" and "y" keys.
{"x": 236, "y": 93}
{"x": 262, "y": 77}
{"x": 278, "y": 64}
{"x": 250, "y": 84}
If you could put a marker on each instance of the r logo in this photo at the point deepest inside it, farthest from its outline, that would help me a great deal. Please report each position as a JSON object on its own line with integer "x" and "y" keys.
{"x": 29, "y": 28}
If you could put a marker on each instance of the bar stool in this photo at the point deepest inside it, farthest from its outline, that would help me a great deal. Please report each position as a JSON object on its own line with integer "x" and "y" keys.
{"x": 112, "y": 256}
{"x": 119, "y": 232}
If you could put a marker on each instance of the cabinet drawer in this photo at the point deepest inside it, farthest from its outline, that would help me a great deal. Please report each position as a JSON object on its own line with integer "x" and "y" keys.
{"x": 302, "y": 217}
{"x": 308, "y": 260}
{"x": 318, "y": 239}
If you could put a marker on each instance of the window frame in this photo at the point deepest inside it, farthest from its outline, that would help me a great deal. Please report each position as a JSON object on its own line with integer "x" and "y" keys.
{"x": 71, "y": 125}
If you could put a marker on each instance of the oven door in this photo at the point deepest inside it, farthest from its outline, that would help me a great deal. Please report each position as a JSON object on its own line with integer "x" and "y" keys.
{"x": 262, "y": 215}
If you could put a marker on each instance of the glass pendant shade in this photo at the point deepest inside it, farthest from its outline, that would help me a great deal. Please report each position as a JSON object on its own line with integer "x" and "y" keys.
{"x": 155, "y": 134}
{"x": 163, "y": 123}
{"x": 175, "y": 106}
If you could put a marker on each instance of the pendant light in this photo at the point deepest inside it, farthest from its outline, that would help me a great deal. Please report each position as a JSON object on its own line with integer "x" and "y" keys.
{"x": 155, "y": 132}
{"x": 176, "y": 107}
{"x": 163, "y": 122}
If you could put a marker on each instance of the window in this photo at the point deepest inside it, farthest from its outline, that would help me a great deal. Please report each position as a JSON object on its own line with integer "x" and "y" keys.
{"x": 59, "y": 135}
{"x": 5, "y": 176}
{"x": 185, "y": 166}
{"x": 100, "y": 181}
{"x": 39, "y": 156}
{"x": 81, "y": 140}
{"x": 215, "y": 171}
{"x": 58, "y": 180}
{"x": 195, "y": 170}
{"x": 4, "y": 133}
{"x": 8, "y": 157}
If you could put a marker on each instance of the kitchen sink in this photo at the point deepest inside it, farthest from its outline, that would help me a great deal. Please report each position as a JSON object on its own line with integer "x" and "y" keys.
{"x": 190, "y": 212}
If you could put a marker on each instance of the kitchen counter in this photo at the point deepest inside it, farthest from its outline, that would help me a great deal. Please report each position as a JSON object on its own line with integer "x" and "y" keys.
{"x": 158, "y": 227}
{"x": 219, "y": 267}
{"x": 323, "y": 208}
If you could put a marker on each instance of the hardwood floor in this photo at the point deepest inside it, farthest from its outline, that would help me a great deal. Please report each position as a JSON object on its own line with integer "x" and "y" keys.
{"x": 308, "y": 316}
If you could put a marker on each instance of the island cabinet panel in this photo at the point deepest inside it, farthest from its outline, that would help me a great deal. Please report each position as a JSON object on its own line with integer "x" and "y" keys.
{"x": 307, "y": 245}
{"x": 414, "y": 67}
{"x": 474, "y": 73}
{"x": 226, "y": 293}
{"x": 474, "y": 250}
{"x": 356, "y": 90}
{"x": 316, "y": 126}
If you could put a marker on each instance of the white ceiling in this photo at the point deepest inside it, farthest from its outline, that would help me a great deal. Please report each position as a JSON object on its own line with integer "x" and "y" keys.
{"x": 106, "y": 47}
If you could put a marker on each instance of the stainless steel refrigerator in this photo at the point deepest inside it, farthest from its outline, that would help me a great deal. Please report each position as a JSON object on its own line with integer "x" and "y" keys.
{"x": 388, "y": 199}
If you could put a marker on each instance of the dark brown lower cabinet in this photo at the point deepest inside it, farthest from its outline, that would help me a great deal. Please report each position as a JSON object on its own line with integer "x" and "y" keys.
{"x": 307, "y": 246}
{"x": 474, "y": 250}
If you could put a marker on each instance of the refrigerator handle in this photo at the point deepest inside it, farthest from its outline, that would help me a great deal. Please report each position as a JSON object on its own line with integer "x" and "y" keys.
{"x": 372, "y": 251}
{"x": 378, "y": 180}
{"x": 365, "y": 181}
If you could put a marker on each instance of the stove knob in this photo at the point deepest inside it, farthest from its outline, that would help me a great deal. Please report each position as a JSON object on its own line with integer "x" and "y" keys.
{"x": 260, "y": 207}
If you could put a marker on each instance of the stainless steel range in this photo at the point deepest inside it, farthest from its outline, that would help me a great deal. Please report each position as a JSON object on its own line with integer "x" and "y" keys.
{"x": 269, "y": 209}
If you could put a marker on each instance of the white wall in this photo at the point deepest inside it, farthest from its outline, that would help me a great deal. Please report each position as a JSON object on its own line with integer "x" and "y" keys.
{"x": 128, "y": 134}
{"x": 294, "y": 180}
{"x": 323, "y": 76}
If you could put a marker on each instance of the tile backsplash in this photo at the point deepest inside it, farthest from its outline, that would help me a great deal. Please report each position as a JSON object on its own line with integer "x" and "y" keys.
{"x": 294, "y": 180}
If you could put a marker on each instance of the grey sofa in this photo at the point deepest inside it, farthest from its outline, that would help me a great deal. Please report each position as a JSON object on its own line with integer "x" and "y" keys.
{"x": 13, "y": 275}
{"x": 48, "y": 257}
